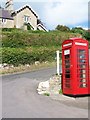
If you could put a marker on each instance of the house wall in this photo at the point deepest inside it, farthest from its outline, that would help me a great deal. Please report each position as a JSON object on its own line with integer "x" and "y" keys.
{"x": 19, "y": 18}
{"x": 8, "y": 24}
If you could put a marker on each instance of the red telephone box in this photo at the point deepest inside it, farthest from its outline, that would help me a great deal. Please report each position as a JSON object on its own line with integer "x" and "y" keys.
{"x": 89, "y": 71}
{"x": 75, "y": 67}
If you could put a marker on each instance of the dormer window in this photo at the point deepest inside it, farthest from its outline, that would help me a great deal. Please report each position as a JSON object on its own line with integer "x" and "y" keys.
{"x": 26, "y": 18}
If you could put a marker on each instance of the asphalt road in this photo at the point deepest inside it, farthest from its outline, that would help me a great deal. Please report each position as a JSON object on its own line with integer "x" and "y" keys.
{"x": 20, "y": 98}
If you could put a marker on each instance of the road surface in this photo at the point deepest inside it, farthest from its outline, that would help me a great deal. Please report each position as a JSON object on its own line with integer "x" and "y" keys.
{"x": 20, "y": 98}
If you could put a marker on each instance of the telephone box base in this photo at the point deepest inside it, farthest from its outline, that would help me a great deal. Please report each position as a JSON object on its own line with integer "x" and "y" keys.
{"x": 79, "y": 95}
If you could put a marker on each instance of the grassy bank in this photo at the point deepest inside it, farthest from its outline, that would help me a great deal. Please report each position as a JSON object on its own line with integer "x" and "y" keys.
{"x": 26, "y": 47}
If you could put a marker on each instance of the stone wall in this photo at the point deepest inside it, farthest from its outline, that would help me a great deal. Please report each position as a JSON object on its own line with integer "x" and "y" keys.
{"x": 19, "y": 19}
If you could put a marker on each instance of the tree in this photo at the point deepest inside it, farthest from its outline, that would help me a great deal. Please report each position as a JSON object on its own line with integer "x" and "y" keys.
{"x": 87, "y": 35}
{"x": 79, "y": 30}
{"x": 62, "y": 28}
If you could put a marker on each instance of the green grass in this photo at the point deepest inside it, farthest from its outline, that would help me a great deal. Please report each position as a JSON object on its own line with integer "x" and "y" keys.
{"x": 60, "y": 91}
{"x": 19, "y": 38}
{"x": 23, "y": 68}
{"x": 47, "y": 94}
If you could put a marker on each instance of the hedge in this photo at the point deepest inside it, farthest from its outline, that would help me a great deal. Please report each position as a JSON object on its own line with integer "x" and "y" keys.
{"x": 18, "y": 56}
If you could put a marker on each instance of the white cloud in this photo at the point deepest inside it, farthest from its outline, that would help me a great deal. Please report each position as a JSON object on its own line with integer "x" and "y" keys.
{"x": 66, "y": 12}
{"x": 65, "y": 1}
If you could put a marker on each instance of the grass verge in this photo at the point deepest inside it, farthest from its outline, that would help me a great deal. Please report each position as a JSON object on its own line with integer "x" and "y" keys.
{"x": 23, "y": 68}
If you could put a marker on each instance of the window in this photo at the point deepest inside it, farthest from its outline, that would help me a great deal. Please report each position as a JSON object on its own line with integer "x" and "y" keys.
{"x": 26, "y": 18}
{"x": 4, "y": 20}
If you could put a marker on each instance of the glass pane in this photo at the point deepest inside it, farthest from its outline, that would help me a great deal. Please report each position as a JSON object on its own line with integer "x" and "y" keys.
{"x": 67, "y": 80}
{"x": 82, "y": 61}
{"x": 83, "y": 80}
{"x": 67, "y": 66}
{"x": 67, "y": 56}
{"x": 67, "y": 85}
{"x": 67, "y": 76}
{"x": 82, "y": 66}
{"x": 83, "y": 76}
{"x": 67, "y": 61}
{"x": 83, "y": 85}
{"x": 82, "y": 71}
{"x": 81, "y": 51}
{"x": 67, "y": 71}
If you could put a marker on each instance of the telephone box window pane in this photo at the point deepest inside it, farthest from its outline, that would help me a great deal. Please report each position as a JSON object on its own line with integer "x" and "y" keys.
{"x": 67, "y": 85}
{"x": 67, "y": 56}
{"x": 81, "y": 54}
{"x": 67, "y": 71}
{"x": 67, "y": 66}
{"x": 82, "y": 71}
{"x": 83, "y": 80}
{"x": 83, "y": 85}
{"x": 82, "y": 66}
{"x": 83, "y": 76}
{"x": 67, "y": 61}
{"x": 82, "y": 61}
{"x": 67, "y": 76}
{"x": 67, "y": 80}
{"x": 81, "y": 51}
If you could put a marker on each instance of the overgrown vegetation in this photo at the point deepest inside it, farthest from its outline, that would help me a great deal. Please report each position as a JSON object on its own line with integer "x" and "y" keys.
{"x": 27, "y": 55}
{"x": 26, "y": 47}
{"x": 34, "y": 38}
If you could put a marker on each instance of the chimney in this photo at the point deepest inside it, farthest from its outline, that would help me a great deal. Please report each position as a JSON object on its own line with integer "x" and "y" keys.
{"x": 9, "y": 5}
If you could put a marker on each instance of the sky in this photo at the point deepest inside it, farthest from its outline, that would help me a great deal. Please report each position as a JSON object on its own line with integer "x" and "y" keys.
{"x": 72, "y": 13}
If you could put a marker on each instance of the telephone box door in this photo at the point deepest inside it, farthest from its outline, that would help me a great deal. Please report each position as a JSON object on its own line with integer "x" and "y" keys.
{"x": 67, "y": 77}
{"x": 82, "y": 71}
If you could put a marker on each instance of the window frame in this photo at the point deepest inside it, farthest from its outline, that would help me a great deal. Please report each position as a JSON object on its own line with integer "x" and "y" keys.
{"x": 4, "y": 20}
{"x": 26, "y": 18}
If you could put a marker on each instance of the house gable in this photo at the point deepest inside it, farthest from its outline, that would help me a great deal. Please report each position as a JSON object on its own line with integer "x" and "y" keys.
{"x": 25, "y": 15}
{"x": 24, "y": 7}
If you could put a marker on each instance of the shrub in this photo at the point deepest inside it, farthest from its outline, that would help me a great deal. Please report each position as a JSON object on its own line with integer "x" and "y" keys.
{"x": 62, "y": 28}
{"x": 78, "y": 30}
{"x": 47, "y": 94}
{"x": 21, "y": 39}
{"x": 87, "y": 35}
{"x": 23, "y": 56}
{"x": 9, "y": 29}
{"x": 60, "y": 91}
